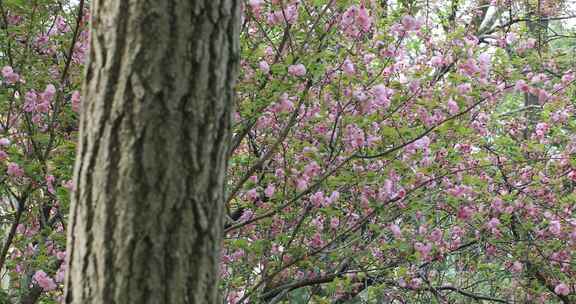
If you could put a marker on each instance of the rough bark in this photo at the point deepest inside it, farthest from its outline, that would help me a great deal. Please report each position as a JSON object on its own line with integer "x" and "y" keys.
{"x": 146, "y": 218}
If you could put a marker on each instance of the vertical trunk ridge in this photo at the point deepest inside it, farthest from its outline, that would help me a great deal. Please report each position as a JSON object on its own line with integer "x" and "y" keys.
{"x": 146, "y": 219}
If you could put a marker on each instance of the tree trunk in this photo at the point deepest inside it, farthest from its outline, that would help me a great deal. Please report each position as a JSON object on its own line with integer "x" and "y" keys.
{"x": 146, "y": 218}
{"x": 538, "y": 30}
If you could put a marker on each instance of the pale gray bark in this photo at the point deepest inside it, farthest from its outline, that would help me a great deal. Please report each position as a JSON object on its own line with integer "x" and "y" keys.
{"x": 146, "y": 219}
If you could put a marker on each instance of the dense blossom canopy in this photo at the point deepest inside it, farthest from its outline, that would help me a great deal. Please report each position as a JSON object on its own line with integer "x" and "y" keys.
{"x": 383, "y": 151}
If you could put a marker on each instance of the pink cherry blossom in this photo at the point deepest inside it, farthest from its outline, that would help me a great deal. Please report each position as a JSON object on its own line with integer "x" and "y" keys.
{"x": 493, "y": 223}
{"x": 44, "y": 281}
{"x": 363, "y": 19}
{"x": 10, "y": 77}
{"x": 14, "y": 170}
{"x": 568, "y": 78}
{"x": 453, "y": 107}
{"x": 423, "y": 249}
{"x": 355, "y": 21}
{"x": 252, "y": 194}
{"x": 4, "y": 142}
{"x": 69, "y": 184}
{"x": 395, "y": 229}
{"x": 334, "y": 196}
{"x": 301, "y": 184}
{"x": 562, "y": 289}
{"x": 316, "y": 241}
{"x": 334, "y": 222}
{"x": 255, "y": 5}
{"x": 264, "y": 67}
{"x": 555, "y": 228}
{"x": 516, "y": 267}
{"x": 410, "y": 23}
{"x": 317, "y": 199}
{"x": 521, "y": 86}
{"x": 436, "y": 235}
{"x": 76, "y": 100}
{"x": 3, "y": 155}
{"x": 297, "y": 70}
{"x": 284, "y": 104}
{"x": 50, "y": 183}
{"x": 382, "y": 95}
{"x": 348, "y": 67}
{"x": 437, "y": 61}
{"x": 511, "y": 38}
{"x": 464, "y": 88}
{"x": 246, "y": 215}
{"x": 269, "y": 191}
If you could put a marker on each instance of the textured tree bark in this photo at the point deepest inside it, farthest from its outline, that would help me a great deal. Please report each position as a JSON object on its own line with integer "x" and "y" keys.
{"x": 146, "y": 218}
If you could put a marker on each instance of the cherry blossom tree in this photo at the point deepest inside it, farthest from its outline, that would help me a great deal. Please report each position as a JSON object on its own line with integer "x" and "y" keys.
{"x": 382, "y": 151}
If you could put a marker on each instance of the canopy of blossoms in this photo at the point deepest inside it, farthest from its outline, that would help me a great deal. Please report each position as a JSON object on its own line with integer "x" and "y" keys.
{"x": 383, "y": 151}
